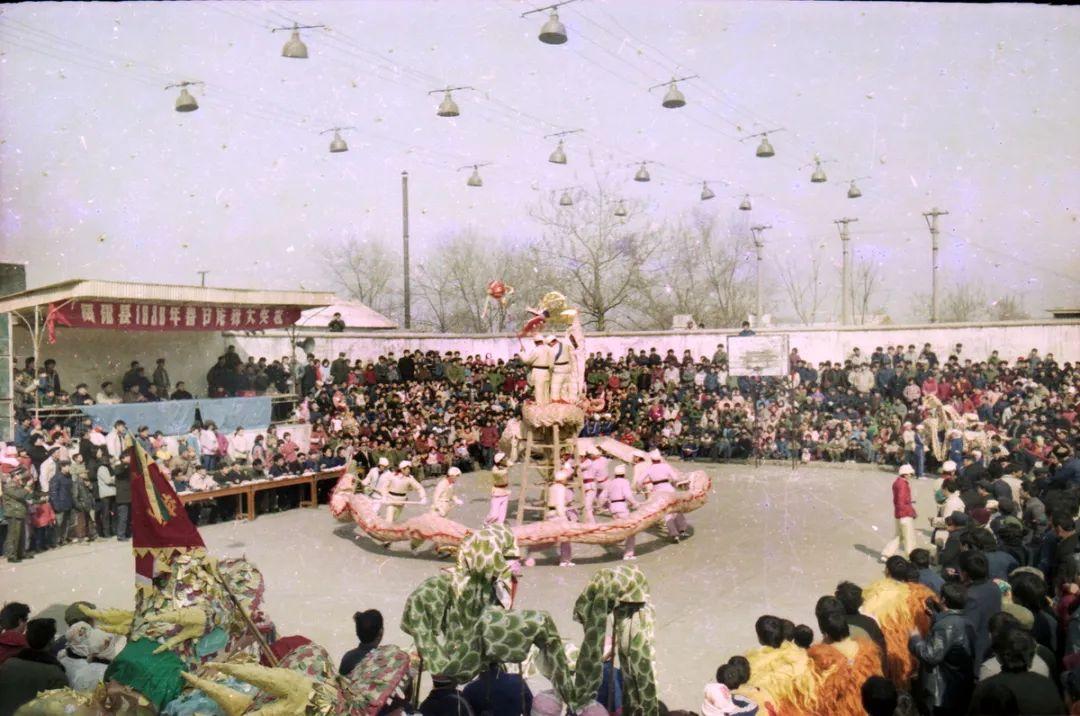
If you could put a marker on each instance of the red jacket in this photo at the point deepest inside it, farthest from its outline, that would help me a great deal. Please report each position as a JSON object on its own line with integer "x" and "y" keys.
{"x": 901, "y": 499}
{"x": 11, "y": 643}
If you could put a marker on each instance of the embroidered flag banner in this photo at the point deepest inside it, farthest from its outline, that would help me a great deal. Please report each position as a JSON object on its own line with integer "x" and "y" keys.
{"x": 129, "y": 316}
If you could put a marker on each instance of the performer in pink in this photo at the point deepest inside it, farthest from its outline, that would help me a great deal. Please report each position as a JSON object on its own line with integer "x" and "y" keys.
{"x": 620, "y": 498}
{"x": 661, "y": 477}
{"x": 593, "y": 476}
{"x": 559, "y": 507}
{"x": 500, "y": 490}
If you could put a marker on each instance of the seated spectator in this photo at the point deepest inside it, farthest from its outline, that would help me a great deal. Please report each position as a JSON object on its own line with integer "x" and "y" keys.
{"x": 32, "y": 669}
{"x": 497, "y": 691}
{"x": 1034, "y": 693}
{"x": 181, "y": 392}
{"x": 87, "y": 655}
{"x": 444, "y": 699}
{"x": 13, "y": 619}
{"x": 369, "y": 632}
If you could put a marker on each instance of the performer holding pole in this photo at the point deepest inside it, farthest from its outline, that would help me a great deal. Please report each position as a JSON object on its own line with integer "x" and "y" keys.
{"x": 559, "y": 501}
{"x": 396, "y": 490}
{"x": 620, "y": 498}
{"x": 661, "y": 477}
{"x": 500, "y": 490}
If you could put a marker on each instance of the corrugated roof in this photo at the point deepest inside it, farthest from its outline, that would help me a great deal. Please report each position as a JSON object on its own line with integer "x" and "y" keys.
{"x": 92, "y": 289}
{"x": 355, "y": 315}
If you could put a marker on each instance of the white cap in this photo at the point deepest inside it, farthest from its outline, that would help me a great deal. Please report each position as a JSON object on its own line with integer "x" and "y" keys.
{"x": 620, "y": 469}
{"x": 948, "y": 466}
{"x": 562, "y": 475}
{"x": 453, "y": 472}
{"x": 655, "y": 455}
{"x": 404, "y": 464}
{"x": 383, "y": 462}
{"x": 550, "y": 339}
{"x": 499, "y": 456}
{"x": 592, "y": 450}
{"x": 906, "y": 469}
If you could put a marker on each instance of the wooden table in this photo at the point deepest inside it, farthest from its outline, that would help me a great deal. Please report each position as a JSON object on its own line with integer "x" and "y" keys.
{"x": 249, "y": 489}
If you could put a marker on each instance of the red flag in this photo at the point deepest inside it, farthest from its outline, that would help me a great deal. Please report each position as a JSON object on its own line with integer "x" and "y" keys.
{"x": 52, "y": 317}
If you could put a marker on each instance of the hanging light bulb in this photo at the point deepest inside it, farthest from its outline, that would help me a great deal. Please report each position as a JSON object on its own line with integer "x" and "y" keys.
{"x": 566, "y": 199}
{"x": 853, "y": 191}
{"x": 818, "y": 177}
{"x": 706, "y": 192}
{"x": 673, "y": 98}
{"x": 558, "y": 156}
{"x": 294, "y": 48}
{"x": 337, "y": 144}
{"x": 620, "y": 208}
{"x": 185, "y": 102}
{"x": 765, "y": 149}
{"x": 553, "y": 32}
{"x": 744, "y": 205}
{"x": 474, "y": 178}
{"x": 642, "y": 173}
{"x": 448, "y": 107}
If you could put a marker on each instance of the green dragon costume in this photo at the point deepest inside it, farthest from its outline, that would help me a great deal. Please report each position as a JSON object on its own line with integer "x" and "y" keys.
{"x": 462, "y": 620}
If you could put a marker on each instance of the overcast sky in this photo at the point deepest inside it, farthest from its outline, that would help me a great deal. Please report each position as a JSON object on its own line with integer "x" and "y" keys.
{"x": 970, "y": 108}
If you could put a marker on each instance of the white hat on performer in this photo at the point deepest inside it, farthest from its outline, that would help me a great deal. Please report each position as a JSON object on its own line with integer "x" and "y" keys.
{"x": 538, "y": 338}
{"x": 620, "y": 470}
{"x": 453, "y": 472}
{"x": 550, "y": 339}
{"x": 948, "y": 466}
{"x": 592, "y": 450}
{"x": 499, "y": 456}
{"x": 562, "y": 475}
{"x": 639, "y": 455}
{"x": 383, "y": 462}
{"x": 655, "y": 455}
{"x": 906, "y": 469}
{"x": 404, "y": 464}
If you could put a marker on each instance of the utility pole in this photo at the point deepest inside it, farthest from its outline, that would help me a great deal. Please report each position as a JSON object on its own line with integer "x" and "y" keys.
{"x": 845, "y": 272}
{"x": 405, "y": 245}
{"x": 202, "y": 277}
{"x": 759, "y": 244}
{"x": 931, "y": 221}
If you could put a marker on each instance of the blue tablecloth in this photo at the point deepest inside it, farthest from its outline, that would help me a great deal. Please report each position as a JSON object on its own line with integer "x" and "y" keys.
{"x": 174, "y": 417}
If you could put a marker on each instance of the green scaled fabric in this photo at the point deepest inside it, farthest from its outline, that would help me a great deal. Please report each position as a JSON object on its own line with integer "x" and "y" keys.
{"x": 460, "y": 623}
{"x": 155, "y": 676}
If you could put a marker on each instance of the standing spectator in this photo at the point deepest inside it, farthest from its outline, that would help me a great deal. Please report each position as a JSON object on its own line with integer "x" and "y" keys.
{"x": 62, "y": 500}
{"x": 983, "y": 598}
{"x": 946, "y": 656}
{"x": 161, "y": 378}
{"x": 32, "y": 670}
{"x": 208, "y": 447}
{"x": 1035, "y": 694}
{"x": 122, "y": 478}
{"x": 106, "y": 493}
{"x": 16, "y": 504}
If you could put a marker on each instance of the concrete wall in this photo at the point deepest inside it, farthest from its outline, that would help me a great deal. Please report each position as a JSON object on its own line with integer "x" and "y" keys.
{"x": 1062, "y": 338}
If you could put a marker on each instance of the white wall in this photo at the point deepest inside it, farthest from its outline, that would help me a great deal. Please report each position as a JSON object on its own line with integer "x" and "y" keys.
{"x": 1062, "y": 338}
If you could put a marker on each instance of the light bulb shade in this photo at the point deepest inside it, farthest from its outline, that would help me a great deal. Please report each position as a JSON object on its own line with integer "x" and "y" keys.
{"x": 853, "y": 191}
{"x": 553, "y": 32}
{"x": 474, "y": 178}
{"x": 620, "y": 209}
{"x": 185, "y": 102}
{"x": 337, "y": 144}
{"x": 674, "y": 98}
{"x": 558, "y": 156}
{"x": 765, "y": 149}
{"x": 448, "y": 107}
{"x": 294, "y": 48}
{"x": 818, "y": 177}
{"x": 706, "y": 192}
{"x": 744, "y": 205}
{"x": 566, "y": 199}
{"x": 642, "y": 174}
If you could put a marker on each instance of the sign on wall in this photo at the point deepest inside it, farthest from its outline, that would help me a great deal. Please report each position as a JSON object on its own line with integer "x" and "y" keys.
{"x": 758, "y": 355}
{"x": 170, "y": 317}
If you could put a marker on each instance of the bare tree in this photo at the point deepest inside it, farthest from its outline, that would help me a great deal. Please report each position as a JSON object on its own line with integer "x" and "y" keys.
{"x": 962, "y": 304}
{"x": 865, "y": 276}
{"x": 702, "y": 271}
{"x": 368, "y": 270}
{"x": 800, "y": 275}
{"x": 597, "y": 258}
{"x": 1008, "y": 308}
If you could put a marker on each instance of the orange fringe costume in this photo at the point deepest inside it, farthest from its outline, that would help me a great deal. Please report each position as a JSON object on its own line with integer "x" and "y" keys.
{"x": 783, "y": 681}
{"x": 898, "y": 608}
{"x": 842, "y": 668}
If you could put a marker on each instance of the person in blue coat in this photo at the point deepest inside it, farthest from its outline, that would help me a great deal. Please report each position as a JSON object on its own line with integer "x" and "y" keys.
{"x": 62, "y": 500}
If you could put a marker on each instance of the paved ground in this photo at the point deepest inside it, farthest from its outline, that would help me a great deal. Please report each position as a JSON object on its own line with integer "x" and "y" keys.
{"x": 770, "y": 540}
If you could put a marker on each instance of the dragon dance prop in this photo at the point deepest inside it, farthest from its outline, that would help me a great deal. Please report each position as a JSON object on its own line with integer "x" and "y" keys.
{"x": 898, "y": 608}
{"x": 348, "y": 504}
{"x": 462, "y": 620}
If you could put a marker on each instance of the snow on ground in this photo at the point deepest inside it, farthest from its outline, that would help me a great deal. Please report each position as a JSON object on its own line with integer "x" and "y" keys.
{"x": 770, "y": 540}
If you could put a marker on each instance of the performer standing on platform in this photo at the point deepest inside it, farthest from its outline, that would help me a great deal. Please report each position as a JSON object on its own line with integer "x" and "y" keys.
{"x": 661, "y": 477}
{"x": 396, "y": 490}
{"x": 559, "y": 507}
{"x": 562, "y": 369}
{"x": 593, "y": 476}
{"x": 500, "y": 490}
{"x": 620, "y": 498}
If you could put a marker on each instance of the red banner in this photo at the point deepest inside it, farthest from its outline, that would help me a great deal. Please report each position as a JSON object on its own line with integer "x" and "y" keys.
{"x": 128, "y": 316}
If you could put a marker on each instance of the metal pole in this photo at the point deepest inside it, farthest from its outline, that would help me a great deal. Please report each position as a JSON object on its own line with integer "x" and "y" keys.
{"x": 932, "y": 221}
{"x": 759, "y": 245}
{"x": 405, "y": 245}
{"x": 845, "y": 272}
{"x": 202, "y": 277}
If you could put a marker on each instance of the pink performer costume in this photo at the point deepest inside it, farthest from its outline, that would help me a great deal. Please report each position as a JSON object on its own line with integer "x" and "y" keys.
{"x": 500, "y": 492}
{"x": 559, "y": 507}
{"x": 593, "y": 477}
{"x": 620, "y": 498}
{"x": 661, "y": 477}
